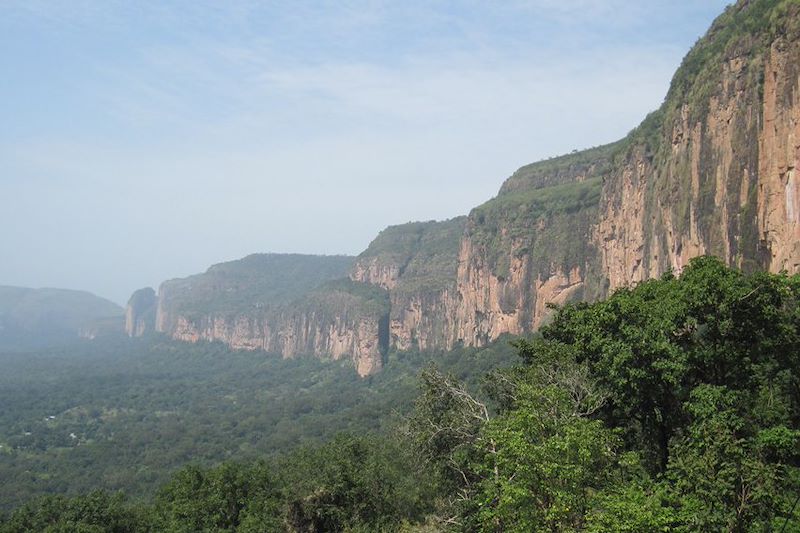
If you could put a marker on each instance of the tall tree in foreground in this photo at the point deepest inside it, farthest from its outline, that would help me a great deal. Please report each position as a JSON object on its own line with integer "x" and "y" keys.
{"x": 674, "y": 405}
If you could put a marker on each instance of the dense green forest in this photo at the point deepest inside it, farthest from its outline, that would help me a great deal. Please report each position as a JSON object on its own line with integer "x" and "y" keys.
{"x": 672, "y": 406}
{"x": 124, "y": 413}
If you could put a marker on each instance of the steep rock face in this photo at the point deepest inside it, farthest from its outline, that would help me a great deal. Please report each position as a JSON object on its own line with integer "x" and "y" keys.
{"x": 248, "y": 286}
{"x": 690, "y": 193}
{"x": 380, "y": 271}
{"x": 528, "y": 247}
{"x": 334, "y": 322}
{"x": 140, "y": 313}
{"x": 422, "y": 320}
{"x": 779, "y": 153}
{"x": 334, "y": 336}
{"x": 712, "y": 172}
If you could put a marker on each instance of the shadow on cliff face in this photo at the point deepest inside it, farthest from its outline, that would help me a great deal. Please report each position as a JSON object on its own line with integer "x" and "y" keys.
{"x": 383, "y": 336}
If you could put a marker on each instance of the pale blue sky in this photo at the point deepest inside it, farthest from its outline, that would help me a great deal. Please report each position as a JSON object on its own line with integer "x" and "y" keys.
{"x": 141, "y": 141}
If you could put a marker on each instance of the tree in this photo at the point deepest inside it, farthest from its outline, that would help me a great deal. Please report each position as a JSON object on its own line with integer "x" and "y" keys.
{"x": 96, "y": 512}
{"x": 230, "y": 497}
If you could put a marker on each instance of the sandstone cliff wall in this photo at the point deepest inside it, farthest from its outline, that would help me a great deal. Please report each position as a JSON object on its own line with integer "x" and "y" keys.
{"x": 336, "y": 320}
{"x": 329, "y": 335}
{"x": 719, "y": 176}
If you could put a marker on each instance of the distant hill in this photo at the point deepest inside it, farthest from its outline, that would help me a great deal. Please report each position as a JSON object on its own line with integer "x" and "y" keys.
{"x": 32, "y": 318}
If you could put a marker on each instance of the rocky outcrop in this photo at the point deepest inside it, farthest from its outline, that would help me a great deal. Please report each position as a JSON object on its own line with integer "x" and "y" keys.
{"x": 380, "y": 271}
{"x": 417, "y": 263}
{"x": 528, "y": 248}
{"x": 711, "y": 172}
{"x": 778, "y": 189}
{"x": 140, "y": 313}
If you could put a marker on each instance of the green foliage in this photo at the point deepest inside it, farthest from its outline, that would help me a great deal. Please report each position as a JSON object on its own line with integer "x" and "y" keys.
{"x": 138, "y": 409}
{"x": 652, "y": 345}
{"x": 542, "y": 223}
{"x": 548, "y": 201}
{"x": 673, "y": 406}
{"x": 433, "y": 266}
{"x": 97, "y": 512}
{"x": 542, "y": 464}
{"x": 353, "y": 483}
{"x": 230, "y": 497}
{"x": 561, "y": 170}
{"x": 348, "y": 484}
{"x": 402, "y": 241}
{"x": 445, "y": 428}
{"x": 722, "y": 477}
{"x": 344, "y": 296}
{"x": 424, "y": 253}
{"x": 633, "y": 507}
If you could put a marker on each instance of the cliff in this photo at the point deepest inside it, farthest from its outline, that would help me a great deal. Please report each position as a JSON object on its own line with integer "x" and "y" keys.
{"x": 288, "y": 304}
{"x": 140, "y": 313}
{"x": 337, "y": 320}
{"x": 417, "y": 264}
{"x": 530, "y": 246}
{"x": 712, "y": 171}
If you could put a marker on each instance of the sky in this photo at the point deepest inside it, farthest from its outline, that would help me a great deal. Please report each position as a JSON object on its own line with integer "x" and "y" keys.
{"x": 143, "y": 141}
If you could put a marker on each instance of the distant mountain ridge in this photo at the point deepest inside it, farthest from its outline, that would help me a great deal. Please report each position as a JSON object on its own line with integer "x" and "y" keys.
{"x": 32, "y": 318}
{"x": 712, "y": 171}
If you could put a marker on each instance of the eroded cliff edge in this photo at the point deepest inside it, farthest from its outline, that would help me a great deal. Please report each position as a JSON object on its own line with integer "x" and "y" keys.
{"x": 287, "y": 304}
{"x": 713, "y": 171}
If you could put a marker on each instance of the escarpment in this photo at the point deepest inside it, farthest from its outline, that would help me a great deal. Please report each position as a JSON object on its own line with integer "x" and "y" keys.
{"x": 287, "y": 304}
{"x": 712, "y": 171}
{"x": 336, "y": 320}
